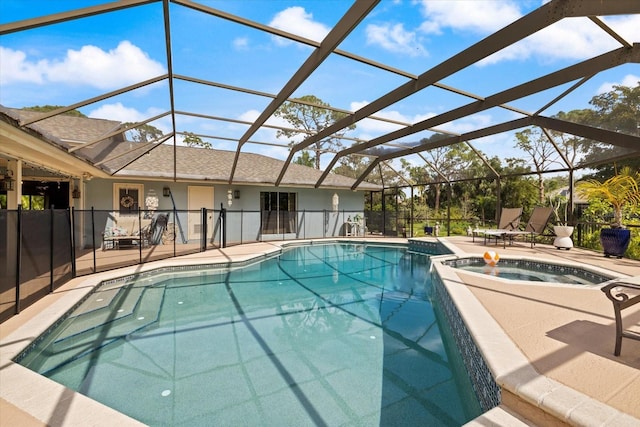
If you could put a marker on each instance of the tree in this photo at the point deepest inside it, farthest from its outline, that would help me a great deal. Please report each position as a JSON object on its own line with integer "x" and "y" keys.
{"x": 48, "y": 108}
{"x": 449, "y": 163}
{"x": 572, "y": 146}
{"x": 352, "y": 166}
{"x": 193, "y": 140}
{"x": 305, "y": 159}
{"x": 617, "y": 110}
{"x": 309, "y": 115}
{"x": 619, "y": 191}
{"x": 542, "y": 153}
{"x": 419, "y": 175}
{"x": 143, "y": 133}
{"x": 518, "y": 189}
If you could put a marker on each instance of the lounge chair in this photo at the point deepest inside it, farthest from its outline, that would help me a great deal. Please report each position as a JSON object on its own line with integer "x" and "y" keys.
{"x": 538, "y": 221}
{"x": 509, "y": 221}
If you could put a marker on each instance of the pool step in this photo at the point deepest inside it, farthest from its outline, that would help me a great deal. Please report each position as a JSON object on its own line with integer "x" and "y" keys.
{"x": 101, "y": 308}
{"x": 90, "y": 335}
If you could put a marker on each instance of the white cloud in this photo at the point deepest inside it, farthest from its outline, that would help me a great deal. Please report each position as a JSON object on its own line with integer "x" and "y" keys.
{"x": 91, "y": 66}
{"x": 265, "y": 134}
{"x": 630, "y": 80}
{"x": 478, "y": 16}
{"x": 395, "y": 38}
{"x": 369, "y": 128}
{"x": 241, "y": 43}
{"x": 249, "y": 115}
{"x": 15, "y": 69}
{"x": 124, "y": 114}
{"x": 571, "y": 38}
{"x": 574, "y": 39}
{"x": 117, "y": 112}
{"x": 625, "y": 26}
{"x": 297, "y": 21}
{"x": 468, "y": 124}
{"x": 356, "y": 105}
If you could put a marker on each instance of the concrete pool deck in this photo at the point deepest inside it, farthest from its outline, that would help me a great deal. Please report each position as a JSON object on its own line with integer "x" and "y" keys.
{"x": 565, "y": 334}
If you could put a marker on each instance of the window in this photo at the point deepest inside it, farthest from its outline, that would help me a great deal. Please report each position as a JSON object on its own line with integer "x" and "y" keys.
{"x": 126, "y": 198}
{"x": 278, "y": 212}
{"x": 33, "y": 202}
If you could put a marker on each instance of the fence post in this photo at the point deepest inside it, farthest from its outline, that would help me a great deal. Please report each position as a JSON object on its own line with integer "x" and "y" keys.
{"x": 18, "y": 258}
{"x": 72, "y": 235}
{"x": 578, "y": 234}
{"x": 93, "y": 238}
{"x": 139, "y": 235}
{"x": 384, "y": 214}
{"x": 51, "y": 221}
{"x": 223, "y": 226}
{"x": 203, "y": 234}
{"x": 325, "y": 218}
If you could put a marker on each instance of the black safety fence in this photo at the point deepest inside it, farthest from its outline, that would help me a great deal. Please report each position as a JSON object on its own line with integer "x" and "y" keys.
{"x": 35, "y": 254}
{"x": 42, "y": 250}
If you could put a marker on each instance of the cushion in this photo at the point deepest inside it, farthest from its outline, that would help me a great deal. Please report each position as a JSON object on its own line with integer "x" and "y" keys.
{"x": 115, "y": 231}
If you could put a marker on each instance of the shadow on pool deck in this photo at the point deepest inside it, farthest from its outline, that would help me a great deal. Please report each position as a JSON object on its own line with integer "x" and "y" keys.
{"x": 567, "y": 333}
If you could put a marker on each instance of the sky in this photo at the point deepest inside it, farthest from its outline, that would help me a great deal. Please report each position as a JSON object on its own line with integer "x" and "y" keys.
{"x": 69, "y": 62}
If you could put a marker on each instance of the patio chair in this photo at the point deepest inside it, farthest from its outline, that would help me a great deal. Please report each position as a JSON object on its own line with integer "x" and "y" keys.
{"x": 538, "y": 221}
{"x": 509, "y": 221}
{"x": 623, "y": 293}
{"x": 158, "y": 229}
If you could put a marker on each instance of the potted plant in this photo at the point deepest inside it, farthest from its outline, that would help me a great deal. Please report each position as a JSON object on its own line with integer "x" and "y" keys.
{"x": 562, "y": 231}
{"x": 620, "y": 191}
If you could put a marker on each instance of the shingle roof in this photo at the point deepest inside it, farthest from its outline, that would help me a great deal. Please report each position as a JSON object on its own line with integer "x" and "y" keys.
{"x": 67, "y": 129}
{"x": 215, "y": 165}
{"x": 192, "y": 163}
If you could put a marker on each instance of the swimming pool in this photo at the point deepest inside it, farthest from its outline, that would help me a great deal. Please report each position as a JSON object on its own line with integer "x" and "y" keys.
{"x": 322, "y": 334}
{"x": 533, "y": 271}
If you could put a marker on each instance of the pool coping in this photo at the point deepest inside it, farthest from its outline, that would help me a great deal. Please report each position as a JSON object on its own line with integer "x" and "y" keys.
{"x": 54, "y": 404}
{"x": 513, "y": 372}
{"x": 509, "y": 366}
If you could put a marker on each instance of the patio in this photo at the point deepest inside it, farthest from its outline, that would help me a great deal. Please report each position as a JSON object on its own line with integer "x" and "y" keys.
{"x": 565, "y": 333}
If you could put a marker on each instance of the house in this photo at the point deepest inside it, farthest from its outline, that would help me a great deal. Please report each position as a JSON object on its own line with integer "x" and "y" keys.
{"x": 85, "y": 163}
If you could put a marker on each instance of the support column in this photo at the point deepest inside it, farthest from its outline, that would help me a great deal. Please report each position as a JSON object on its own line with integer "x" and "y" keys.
{"x": 14, "y": 197}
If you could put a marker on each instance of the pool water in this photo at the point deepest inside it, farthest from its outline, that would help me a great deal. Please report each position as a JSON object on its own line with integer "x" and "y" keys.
{"x": 330, "y": 334}
{"x": 533, "y": 271}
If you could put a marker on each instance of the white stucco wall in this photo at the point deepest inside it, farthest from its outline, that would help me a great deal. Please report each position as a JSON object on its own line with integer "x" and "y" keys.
{"x": 315, "y": 216}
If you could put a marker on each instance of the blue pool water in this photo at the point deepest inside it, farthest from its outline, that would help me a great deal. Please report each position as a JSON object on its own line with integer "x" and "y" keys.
{"x": 335, "y": 334}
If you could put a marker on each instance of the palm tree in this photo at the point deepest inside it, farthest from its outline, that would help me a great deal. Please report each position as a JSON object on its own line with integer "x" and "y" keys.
{"x": 619, "y": 191}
